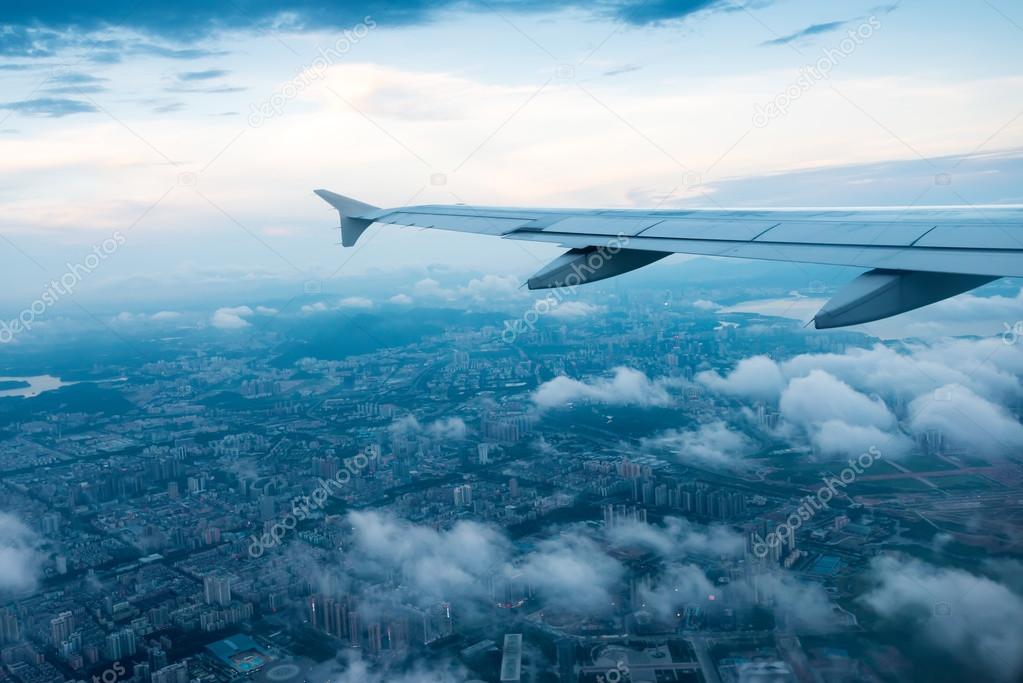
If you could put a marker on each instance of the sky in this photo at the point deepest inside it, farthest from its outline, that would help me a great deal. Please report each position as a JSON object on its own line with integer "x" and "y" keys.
{"x": 193, "y": 133}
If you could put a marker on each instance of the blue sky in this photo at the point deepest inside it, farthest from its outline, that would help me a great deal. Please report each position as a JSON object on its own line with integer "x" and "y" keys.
{"x": 144, "y": 120}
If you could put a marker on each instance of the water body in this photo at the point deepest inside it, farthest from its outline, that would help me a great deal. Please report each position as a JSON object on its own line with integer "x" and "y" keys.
{"x": 37, "y": 384}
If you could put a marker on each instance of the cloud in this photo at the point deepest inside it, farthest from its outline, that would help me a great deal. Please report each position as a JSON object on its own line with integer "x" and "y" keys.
{"x": 837, "y": 438}
{"x": 231, "y": 318}
{"x": 435, "y": 565}
{"x": 980, "y": 621}
{"x": 205, "y": 75}
{"x": 355, "y": 670}
{"x": 575, "y": 309}
{"x": 626, "y": 387}
{"x": 678, "y": 538}
{"x": 356, "y": 302}
{"x": 757, "y": 377}
{"x": 626, "y": 69}
{"x": 191, "y": 19}
{"x": 838, "y": 420}
{"x": 20, "y": 556}
{"x": 812, "y": 30}
{"x": 401, "y": 299}
{"x": 572, "y": 572}
{"x": 486, "y": 289}
{"x": 819, "y": 397}
{"x": 967, "y": 420}
{"x": 50, "y": 107}
{"x": 449, "y": 429}
{"x": 680, "y": 586}
{"x": 705, "y": 305}
{"x": 317, "y": 307}
{"x": 712, "y": 444}
{"x": 166, "y": 315}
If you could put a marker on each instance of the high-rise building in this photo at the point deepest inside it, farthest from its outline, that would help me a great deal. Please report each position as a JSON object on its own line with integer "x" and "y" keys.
{"x": 217, "y": 589}
{"x": 566, "y": 660}
{"x": 173, "y": 673}
{"x": 61, "y": 627}
{"x": 121, "y": 644}
{"x": 10, "y": 628}
{"x": 463, "y": 495}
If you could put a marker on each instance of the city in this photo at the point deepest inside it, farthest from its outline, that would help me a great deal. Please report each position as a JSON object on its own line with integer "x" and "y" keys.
{"x": 585, "y": 502}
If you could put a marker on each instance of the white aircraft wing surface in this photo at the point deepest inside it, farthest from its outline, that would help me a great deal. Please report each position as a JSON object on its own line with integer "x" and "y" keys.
{"x": 915, "y": 256}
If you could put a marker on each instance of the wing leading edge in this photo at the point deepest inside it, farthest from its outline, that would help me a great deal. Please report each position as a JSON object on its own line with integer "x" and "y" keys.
{"x": 914, "y": 256}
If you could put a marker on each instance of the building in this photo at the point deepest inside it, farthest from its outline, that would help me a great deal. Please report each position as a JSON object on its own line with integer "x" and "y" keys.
{"x": 511, "y": 658}
{"x": 61, "y": 628}
{"x": 217, "y": 590}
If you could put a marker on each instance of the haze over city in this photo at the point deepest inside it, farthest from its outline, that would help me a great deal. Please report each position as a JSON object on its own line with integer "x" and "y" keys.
{"x": 232, "y": 449}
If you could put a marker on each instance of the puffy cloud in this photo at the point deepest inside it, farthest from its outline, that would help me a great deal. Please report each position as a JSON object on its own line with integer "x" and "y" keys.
{"x": 834, "y": 437}
{"x": 317, "y": 307}
{"x": 986, "y": 366}
{"x": 967, "y": 420}
{"x": 401, "y": 299}
{"x": 572, "y": 572}
{"x": 757, "y": 377}
{"x": 805, "y": 605}
{"x": 20, "y": 556}
{"x": 356, "y": 302}
{"x": 575, "y": 309}
{"x": 231, "y": 318}
{"x": 437, "y": 565}
{"x": 820, "y": 397}
{"x": 488, "y": 288}
{"x": 705, "y": 305}
{"x": 678, "y": 587}
{"x": 959, "y": 386}
{"x": 626, "y": 387}
{"x": 713, "y": 444}
{"x": 166, "y": 315}
{"x": 452, "y": 428}
{"x": 679, "y": 537}
{"x": 357, "y": 670}
{"x": 970, "y": 617}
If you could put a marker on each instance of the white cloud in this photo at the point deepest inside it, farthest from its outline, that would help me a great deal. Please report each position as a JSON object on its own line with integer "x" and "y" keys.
{"x": 705, "y": 305}
{"x": 401, "y": 299}
{"x": 438, "y": 565}
{"x": 317, "y": 307}
{"x": 448, "y": 429}
{"x": 970, "y": 617}
{"x": 20, "y": 556}
{"x": 166, "y": 315}
{"x": 231, "y": 318}
{"x": 967, "y": 419}
{"x": 575, "y": 309}
{"x": 572, "y": 572}
{"x": 712, "y": 444}
{"x": 678, "y": 538}
{"x": 819, "y": 397}
{"x": 356, "y": 302}
{"x": 626, "y": 387}
{"x": 757, "y": 377}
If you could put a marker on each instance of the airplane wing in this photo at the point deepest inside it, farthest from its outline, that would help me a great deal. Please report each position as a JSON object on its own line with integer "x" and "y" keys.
{"x": 915, "y": 256}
